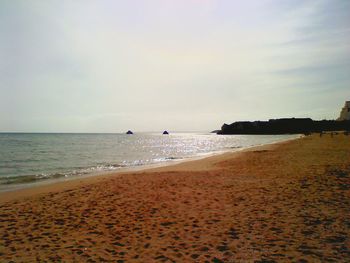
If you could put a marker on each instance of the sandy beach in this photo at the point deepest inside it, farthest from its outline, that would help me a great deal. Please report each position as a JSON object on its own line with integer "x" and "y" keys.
{"x": 286, "y": 202}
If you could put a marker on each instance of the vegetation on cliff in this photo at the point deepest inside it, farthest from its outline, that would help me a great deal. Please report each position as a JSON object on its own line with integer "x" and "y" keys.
{"x": 284, "y": 126}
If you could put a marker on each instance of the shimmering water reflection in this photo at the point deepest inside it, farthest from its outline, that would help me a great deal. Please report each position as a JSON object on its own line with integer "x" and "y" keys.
{"x": 26, "y": 158}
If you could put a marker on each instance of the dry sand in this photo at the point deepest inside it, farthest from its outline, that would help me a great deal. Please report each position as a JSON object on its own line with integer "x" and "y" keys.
{"x": 288, "y": 202}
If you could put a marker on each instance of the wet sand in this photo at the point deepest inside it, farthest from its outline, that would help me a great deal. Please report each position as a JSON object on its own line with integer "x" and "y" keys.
{"x": 287, "y": 202}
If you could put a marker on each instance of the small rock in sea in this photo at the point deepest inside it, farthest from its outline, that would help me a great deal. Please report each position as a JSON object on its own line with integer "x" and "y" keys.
{"x": 129, "y": 132}
{"x": 165, "y": 132}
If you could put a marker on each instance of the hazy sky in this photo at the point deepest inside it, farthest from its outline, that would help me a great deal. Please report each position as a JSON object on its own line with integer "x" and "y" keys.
{"x": 110, "y": 66}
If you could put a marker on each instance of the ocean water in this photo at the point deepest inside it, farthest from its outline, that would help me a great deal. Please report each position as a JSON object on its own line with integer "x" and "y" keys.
{"x": 26, "y": 158}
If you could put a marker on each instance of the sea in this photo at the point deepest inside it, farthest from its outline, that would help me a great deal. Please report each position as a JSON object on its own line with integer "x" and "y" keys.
{"x": 30, "y": 158}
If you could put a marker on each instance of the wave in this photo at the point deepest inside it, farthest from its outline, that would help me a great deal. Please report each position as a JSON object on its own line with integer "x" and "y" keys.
{"x": 78, "y": 171}
{"x": 32, "y": 178}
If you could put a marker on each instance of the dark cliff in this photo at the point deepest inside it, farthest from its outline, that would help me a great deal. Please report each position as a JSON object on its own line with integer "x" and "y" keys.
{"x": 284, "y": 126}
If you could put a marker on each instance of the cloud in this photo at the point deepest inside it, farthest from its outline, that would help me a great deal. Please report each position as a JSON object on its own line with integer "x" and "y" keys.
{"x": 104, "y": 65}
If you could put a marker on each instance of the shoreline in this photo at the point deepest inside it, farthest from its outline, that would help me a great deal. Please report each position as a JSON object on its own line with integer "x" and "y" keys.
{"x": 20, "y": 189}
{"x": 283, "y": 202}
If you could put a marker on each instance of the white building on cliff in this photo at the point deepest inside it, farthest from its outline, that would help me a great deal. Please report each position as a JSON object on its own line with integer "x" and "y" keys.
{"x": 345, "y": 112}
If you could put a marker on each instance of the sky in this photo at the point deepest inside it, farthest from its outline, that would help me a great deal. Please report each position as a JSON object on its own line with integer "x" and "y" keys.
{"x": 181, "y": 65}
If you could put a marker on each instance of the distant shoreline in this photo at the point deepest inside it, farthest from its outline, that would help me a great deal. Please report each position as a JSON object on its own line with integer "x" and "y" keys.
{"x": 283, "y": 126}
